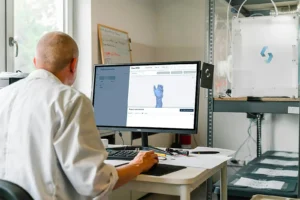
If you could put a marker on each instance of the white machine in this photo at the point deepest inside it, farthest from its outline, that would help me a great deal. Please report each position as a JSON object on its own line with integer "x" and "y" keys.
{"x": 265, "y": 56}
{"x": 7, "y": 78}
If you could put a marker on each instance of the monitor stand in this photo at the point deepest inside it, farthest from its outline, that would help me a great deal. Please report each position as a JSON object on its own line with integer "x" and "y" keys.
{"x": 145, "y": 146}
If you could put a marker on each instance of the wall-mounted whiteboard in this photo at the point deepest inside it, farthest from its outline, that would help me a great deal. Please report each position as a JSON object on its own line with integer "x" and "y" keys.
{"x": 114, "y": 45}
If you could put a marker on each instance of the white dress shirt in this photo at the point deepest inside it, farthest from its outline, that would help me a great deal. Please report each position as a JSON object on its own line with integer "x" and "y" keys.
{"x": 49, "y": 143}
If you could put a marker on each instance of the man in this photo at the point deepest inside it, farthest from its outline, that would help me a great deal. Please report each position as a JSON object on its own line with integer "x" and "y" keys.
{"x": 49, "y": 144}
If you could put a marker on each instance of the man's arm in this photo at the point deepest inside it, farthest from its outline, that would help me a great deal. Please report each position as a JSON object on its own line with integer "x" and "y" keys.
{"x": 142, "y": 162}
{"x": 81, "y": 153}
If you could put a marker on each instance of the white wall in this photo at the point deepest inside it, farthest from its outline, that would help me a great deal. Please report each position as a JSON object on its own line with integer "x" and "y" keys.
{"x": 181, "y": 36}
{"x": 180, "y": 28}
{"x": 286, "y": 131}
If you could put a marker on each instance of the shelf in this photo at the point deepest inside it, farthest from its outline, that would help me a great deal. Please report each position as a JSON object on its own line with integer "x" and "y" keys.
{"x": 267, "y": 105}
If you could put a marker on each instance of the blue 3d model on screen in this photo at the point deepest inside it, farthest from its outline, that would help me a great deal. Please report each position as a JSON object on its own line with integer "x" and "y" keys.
{"x": 159, "y": 93}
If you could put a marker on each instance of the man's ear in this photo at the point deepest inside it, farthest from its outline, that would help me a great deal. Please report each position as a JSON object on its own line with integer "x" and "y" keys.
{"x": 34, "y": 61}
{"x": 73, "y": 65}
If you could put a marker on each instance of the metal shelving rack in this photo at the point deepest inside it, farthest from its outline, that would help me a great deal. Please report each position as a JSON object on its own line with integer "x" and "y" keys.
{"x": 268, "y": 105}
{"x": 211, "y": 27}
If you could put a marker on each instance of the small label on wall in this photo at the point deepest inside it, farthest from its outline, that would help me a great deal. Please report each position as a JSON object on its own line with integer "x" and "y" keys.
{"x": 293, "y": 110}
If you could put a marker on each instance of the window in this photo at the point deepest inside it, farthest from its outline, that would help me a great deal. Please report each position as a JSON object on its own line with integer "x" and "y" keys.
{"x": 2, "y": 35}
{"x": 27, "y": 21}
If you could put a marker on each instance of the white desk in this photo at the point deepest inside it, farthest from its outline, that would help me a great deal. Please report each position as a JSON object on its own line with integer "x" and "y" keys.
{"x": 180, "y": 183}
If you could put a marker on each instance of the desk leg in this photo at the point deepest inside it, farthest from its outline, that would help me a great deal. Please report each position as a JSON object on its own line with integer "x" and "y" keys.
{"x": 185, "y": 193}
{"x": 224, "y": 183}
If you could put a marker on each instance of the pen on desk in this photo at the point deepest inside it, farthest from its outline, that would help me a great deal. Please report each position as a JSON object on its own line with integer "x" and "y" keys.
{"x": 204, "y": 152}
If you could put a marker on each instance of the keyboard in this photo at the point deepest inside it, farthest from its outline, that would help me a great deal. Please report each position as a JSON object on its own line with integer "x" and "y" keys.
{"x": 129, "y": 152}
{"x": 121, "y": 154}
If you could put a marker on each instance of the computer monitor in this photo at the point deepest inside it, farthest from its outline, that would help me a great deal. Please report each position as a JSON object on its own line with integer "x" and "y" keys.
{"x": 147, "y": 97}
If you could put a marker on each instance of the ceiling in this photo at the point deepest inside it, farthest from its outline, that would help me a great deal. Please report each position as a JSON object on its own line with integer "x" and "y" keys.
{"x": 263, "y": 6}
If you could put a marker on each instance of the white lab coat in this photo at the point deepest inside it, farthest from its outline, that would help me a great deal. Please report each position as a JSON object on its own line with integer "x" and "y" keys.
{"x": 49, "y": 144}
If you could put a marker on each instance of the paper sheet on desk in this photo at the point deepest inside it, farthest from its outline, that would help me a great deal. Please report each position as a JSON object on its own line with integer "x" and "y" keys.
{"x": 248, "y": 182}
{"x": 279, "y": 162}
{"x": 285, "y": 154}
{"x": 206, "y": 162}
{"x": 224, "y": 152}
{"x": 276, "y": 172}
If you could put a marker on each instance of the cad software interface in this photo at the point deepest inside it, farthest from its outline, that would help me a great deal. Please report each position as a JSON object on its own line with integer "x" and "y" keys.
{"x": 154, "y": 96}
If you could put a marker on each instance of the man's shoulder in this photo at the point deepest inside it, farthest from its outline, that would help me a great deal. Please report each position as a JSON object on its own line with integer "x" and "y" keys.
{"x": 9, "y": 89}
{"x": 72, "y": 95}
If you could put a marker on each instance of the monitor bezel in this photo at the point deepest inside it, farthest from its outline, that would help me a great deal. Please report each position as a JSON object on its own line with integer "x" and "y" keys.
{"x": 153, "y": 129}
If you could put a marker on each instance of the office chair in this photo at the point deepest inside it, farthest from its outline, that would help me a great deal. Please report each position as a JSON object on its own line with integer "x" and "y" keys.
{"x": 11, "y": 191}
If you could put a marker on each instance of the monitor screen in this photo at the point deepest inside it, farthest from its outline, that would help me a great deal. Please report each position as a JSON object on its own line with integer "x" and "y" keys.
{"x": 148, "y": 97}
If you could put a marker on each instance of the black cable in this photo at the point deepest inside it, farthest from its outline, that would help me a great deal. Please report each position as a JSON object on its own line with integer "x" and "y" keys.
{"x": 121, "y": 136}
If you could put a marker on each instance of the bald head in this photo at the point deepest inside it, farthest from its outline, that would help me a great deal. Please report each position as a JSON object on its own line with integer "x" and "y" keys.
{"x": 55, "y": 51}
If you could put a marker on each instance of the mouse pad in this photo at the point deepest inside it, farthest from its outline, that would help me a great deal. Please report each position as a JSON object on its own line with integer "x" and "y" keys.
{"x": 162, "y": 169}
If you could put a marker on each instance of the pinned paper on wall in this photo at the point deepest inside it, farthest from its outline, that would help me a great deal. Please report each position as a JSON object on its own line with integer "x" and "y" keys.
{"x": 279, "y": 162}
{"x": 276, "y": 172}
{"x": 248, "y": 182}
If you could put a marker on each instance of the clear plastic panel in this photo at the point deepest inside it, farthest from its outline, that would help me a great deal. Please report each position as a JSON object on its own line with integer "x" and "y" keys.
{"x": 264, "y": 52}
{"x": 239, "y": 63}
{"x": 222, "y": 55}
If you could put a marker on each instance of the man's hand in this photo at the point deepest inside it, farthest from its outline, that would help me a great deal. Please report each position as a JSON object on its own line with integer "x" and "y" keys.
{"x": 145, "y": 160}
{"x": 141, "y": 163}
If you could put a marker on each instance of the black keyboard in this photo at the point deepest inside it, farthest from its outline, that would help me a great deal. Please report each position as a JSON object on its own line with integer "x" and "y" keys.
{"x": 128, "y": 152}
{"x": 121, "y": 154}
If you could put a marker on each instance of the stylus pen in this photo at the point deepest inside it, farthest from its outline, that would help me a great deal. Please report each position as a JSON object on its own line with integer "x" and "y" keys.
{"x": 205, "y": 152}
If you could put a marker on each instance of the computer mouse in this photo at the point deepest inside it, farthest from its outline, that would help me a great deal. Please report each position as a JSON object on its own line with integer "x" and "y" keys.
{"x": 152, "y": 170}
{"x": 153, "y": 167}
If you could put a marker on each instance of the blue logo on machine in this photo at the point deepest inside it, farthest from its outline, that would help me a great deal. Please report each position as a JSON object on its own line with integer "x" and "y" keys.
{"x": 263, "y": 54}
